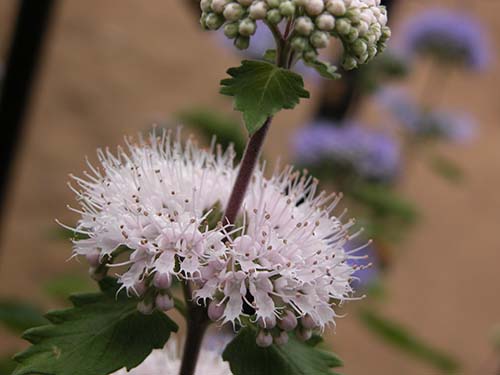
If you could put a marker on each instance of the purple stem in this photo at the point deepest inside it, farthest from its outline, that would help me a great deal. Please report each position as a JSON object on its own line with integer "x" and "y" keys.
{"x": 247, "y": 166}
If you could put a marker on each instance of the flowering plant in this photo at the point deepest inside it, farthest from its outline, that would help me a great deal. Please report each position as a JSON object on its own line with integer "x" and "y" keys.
{"x": 268, "y": 255}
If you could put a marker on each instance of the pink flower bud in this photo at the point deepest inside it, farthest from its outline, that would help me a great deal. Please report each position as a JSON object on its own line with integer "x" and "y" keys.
{"x": 282, "y": 339}
{"x": 288, "y": 322}
{"x": 145, "y": 308}
{"x": 268, "y": 323}
{"x": 304, "y": 334}
{"x": 140, "y": 288}
{"x": 162, "y": 280}
{"x": 93, "y": 258}
{"x": 308, "y": 322}
{"x": 164, "y": 302}
{"x": 215, "y": 310}
{"x": 264, "y": 339}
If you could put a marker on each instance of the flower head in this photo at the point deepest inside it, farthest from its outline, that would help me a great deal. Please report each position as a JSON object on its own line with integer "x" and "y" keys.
{"x": 159, "y": 203}
{"x": 359, "y": 24}
{"x": 151, "y": 202}
{"x": 448, "y": 35}
{"x": 288, "y": 263}
{"x": 451, "y": 126}
{"x": 347, "y": 147}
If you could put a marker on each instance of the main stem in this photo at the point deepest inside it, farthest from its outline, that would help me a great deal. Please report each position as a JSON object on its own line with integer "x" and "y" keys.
{"x": 254, "y": 146}
{"x": 197, "y": 324}
{"x": 245, "y": 172}
{"x": 197, "y": 319}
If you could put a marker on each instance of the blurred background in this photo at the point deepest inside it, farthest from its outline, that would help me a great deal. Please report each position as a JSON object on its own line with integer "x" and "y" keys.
{"x": 412, "y": 140}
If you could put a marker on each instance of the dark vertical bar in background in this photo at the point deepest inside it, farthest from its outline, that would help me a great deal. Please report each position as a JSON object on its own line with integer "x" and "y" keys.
{"x": 340, "y": 98}
{"x": 23, "y": 60}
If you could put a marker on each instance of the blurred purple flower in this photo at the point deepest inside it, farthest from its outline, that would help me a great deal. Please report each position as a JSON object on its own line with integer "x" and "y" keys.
{"x": 370, "y": 154}
{"x": 364, "y": 277}
{"x": 447, "y": 125}
{"x": 448, "y": 35}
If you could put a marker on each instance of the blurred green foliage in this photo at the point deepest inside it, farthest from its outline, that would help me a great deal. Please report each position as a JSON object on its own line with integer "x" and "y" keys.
{"x": 209, "y": 123}
{"x": 61, "y": 286}
{"x": 17, "y": 315}
{"x": 385, "y": 66}
{"x": 400, "y": 337}
{"x": 383, "y": 201}
{"x": 446, "y": 168}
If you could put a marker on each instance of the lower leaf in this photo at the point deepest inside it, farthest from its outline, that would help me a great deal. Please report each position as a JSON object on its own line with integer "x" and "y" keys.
{"x": 294, "y": 358}
{"x": 99, "y": 335}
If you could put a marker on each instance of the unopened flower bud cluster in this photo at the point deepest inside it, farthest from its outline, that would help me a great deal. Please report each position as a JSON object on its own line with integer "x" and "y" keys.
{"x": 359, "y": 24}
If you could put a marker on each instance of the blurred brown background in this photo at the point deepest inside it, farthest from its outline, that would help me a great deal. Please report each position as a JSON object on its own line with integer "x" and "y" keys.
{"x": 114, "y": 67}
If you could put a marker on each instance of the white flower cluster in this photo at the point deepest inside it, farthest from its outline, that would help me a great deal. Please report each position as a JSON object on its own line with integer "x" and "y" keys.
{"x": 168, "y": 361}
{"x": 361, "y": 25}
{"x": 283, "y": 266}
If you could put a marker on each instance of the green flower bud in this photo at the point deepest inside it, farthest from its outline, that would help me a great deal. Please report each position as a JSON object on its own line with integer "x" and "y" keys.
{"x": 352, "y": 35}
{"x": 336, "y": 7}
{"x": 299, "y": 43}
{"x": 310, "y": 56}
{"x": 214, "y": 21}
{"x": 205, "y": 5}
{"x": 343, "y": 26}
{"x": 363, "y": 58}
{"x": 325, "y": 22}
{"x": 386, "y": 34}
{"x": 359, "y": 47}
{"x": 233, "y": 12}
{"x": 314, "y": 7}
{"x": 231, "y": 30}
{"x": 349, "y": 63}
{"x": 274, "y": 16}
{"x": 203, "y": 21}
{"x": 320, "y": 39}
{"x": 287, "y": 9}
{"x": 218, "y": 5}
{"x": 304, "y": 25}
{"x": 242, "y": 42}
{"x": 372, "y": 52}
{"x": 247, "y": 27}
{"x": 273, "y": 3}
{"x": 258, "y": 10}
{"x": 354, "y": 15}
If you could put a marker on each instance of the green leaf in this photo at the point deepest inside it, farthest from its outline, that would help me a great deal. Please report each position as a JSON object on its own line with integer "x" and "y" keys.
{"x": 294, "y": 358}
{"x": 261, "y": 89}
{"x": 210, "y": 123}
{"x": 324, "y": 69}
{"x": 102, "y": 333}
{"x": 446, "y": 168}
{"x": 18, "y": 316}
{"x": 270, "y": 55}
{"x": 402, "y": 339}
{"x": 7, "y": 365}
